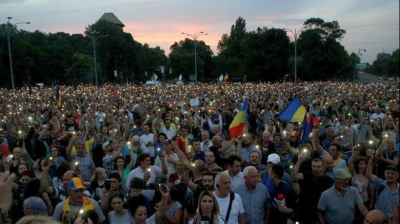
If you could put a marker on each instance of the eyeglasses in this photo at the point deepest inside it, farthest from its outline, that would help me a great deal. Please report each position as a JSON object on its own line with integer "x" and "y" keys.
{"x": 27, "y": 207}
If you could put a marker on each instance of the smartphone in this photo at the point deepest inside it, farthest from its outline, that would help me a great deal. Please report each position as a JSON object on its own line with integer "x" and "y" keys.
{"x": 9, "y": 158}
{"x": 107, "y": 184}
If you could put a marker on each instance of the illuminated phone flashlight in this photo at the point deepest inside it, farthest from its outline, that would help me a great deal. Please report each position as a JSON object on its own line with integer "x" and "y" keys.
{"x": 305, "y": 151}
{"x": 341, "y": 136}
{"x": 257, "y": 146}
{"x": 358, "y": 145}
{"x": 193, "y": 165}
{"x": 189, "y": 149}
{"x": 73, "y": 132}
{"x": 158, "y": 149}
{"x": 386, "y": 135}
{"x": 284, "y": 134}
{"x": 51, "y": 158}
{"x": 19, "y": 132}
{"x": 244, "y": 135}
{"x": 30, "y": 118}
{"x": 370, "y": 142}
{"x": 148, "y": 170}
{"x": 76, "y": 163}
{"x": 81, "y": 212}
{"x": 291, "y": 167}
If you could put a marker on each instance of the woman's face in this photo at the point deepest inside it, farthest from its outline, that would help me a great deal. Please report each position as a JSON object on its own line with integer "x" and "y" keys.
{"x": 17, "y": 152}
{"x": 103, "y": 174}
{"x": 207, "y": 203}
{"x": 25, "y": 179}
{"x": 161, "y": 138}
{"x": 362, "y": 166}
{"x": 140, "y": 215}
{"x": 117, "y": 204}
{"x": 179, "y": 165}
{"x": 28, "y": 210}
{"x": 22, "y": 168}
{"x": 120, "y": 163}
{"x": 54, "y": 151}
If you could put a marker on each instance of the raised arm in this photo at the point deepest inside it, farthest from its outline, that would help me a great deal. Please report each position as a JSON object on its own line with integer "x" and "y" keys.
{"x": 368, "y": 173}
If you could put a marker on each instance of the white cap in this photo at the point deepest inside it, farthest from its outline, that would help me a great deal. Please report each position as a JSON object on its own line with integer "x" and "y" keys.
{"x": 274, "y": 158}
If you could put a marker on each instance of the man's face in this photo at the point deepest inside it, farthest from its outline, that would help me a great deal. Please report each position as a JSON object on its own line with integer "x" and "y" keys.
{"x": 333, "y": 151}
{"x": 342, "y": 184}
{"x": 224, "y": 185}
{"x": 247, "y": 140}
{"x": 146, "y": 162}
{"x": 114, "y": 184}
{"x": 205, "y": 136}
{"x": 265, "y": 137}
{"x": 328, "y": 163}
{"x": 80, "y": 150}
{"x": 135, "y": 192}
{"x": 167, "y": 123}
{"x": 317, "y": 168}
{"x": 208, "y": 182}
{"x": 235, "y": 168}
{"x": 254, "y": 158}
{"x": 391, "y": 176}
{"x": 252, "y": 178}
{"x": 210, "y": 157}
{"x": 146, "y": 129}
{"x": 196, "y": 146}
{"x": 76, "y": 196}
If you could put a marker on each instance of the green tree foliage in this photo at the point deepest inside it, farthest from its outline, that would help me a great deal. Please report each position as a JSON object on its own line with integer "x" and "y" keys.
{"x": 323, "y": 57}
{"x": 80, "y": 70}
{"x": 41, "y": 57}
{"x": 386, "y": 67}
{"x": 181, "y": 59}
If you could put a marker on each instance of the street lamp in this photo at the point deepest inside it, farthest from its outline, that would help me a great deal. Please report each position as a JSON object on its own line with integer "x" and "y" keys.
{"x": 94, "y": 39}
{"x": 195, "y": 36}
{"x": 355, "y": 63}
{"x": 295, "y": 34}
{"x": 9, "y": 48}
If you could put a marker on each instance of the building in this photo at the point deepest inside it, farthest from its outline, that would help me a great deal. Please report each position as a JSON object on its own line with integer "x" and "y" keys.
{"x": 383, "y": 55}
{"x": 110, "y": 17}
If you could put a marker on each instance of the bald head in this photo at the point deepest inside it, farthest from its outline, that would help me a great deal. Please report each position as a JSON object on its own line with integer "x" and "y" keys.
{"x": 375, "y": 217}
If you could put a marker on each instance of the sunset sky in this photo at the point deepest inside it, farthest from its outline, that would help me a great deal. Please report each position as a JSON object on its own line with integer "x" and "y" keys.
{"x": 370, "y": 24}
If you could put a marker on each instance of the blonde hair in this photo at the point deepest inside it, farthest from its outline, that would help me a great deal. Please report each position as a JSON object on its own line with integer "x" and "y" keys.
{"x": 215, "y": 211}
{"x": 37, "y": 219}
{"x": 96, "y": 173}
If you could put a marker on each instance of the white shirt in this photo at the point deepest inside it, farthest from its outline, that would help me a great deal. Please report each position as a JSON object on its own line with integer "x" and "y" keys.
{"x": 138, "y": 172}
{"x": 237, "y": 208}
{"x": 170, "y": 133}
{"x": 170, "y": 166}
{"x": 205, "y": 147}
{"x": 236, "y": 180}
{"x": 145, "y": 139}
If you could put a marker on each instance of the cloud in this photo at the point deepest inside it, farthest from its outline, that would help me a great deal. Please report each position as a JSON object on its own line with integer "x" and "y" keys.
{"x": 11, "y": 1}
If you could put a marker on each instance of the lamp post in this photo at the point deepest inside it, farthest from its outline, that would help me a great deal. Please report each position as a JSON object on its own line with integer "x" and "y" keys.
{"x": 355, "y": 63}
{"x": 9, "y": 48}
{"x": 194, "y": 37}
{"x": 94, "y": 39}
{"x": 295, "y": 34}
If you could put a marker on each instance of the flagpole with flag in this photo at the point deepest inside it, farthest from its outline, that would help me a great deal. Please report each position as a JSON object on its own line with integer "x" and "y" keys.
{"x": 226, "y": 78}
{"x": 294, "y": 112}
{"x": 237, "y": 125}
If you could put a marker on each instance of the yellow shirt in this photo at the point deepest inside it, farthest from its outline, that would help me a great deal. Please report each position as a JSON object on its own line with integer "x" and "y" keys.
{"x": 88, "y": 146}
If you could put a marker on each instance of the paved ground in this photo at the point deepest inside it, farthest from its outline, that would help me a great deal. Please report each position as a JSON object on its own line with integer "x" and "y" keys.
{"x": 371, "y": 78}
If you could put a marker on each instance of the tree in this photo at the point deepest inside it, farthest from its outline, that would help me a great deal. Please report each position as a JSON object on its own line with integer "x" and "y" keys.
{"x": 181, "y": 59}
{"x": 81, "y": 69}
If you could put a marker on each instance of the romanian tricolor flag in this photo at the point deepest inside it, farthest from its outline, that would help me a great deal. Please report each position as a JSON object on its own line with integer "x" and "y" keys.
{"x": 308, "y": 123}
{"x": 237, "y": 125}
{"x": 226, "y": 77}
{"x": 294, "y": 112}
{"x": 58, "y": 98}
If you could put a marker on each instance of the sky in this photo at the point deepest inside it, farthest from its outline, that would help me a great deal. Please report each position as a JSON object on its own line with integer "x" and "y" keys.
{"x": 372, "y": 25}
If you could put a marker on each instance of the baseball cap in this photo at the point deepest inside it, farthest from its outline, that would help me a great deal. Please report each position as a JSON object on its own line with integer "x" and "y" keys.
{"x": 105, "y": 144}
{"x": 274, "y": 158}
{"x": 75, "y": 184}
{"x": 341, "y": 174}
{"x": 391, "y": 168}
{"x": 279, "y": 144}
{"x": 160, "y": 179}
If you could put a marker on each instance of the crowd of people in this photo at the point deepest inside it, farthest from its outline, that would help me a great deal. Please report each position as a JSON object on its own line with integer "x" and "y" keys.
{"x": 129, "y": 154}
